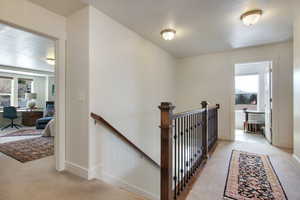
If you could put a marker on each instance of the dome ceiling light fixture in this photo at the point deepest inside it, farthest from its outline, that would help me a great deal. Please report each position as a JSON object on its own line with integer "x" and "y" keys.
{"x": 168, "y": 34}
{"x": 251, "y": 17}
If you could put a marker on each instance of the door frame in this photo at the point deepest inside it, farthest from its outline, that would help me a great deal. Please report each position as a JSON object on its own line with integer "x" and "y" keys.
{"x": 271, "y": 63}
{"x": 60, "y": 97}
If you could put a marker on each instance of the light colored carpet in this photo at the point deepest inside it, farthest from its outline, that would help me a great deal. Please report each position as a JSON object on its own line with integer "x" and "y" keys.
{"x": 211, "y": 182}
{"x": 37, "y": 180}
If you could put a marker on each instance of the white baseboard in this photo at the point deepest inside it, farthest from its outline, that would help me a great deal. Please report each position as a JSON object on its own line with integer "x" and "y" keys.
{"x": 77, "y": 170}
{"x": 297, "y": 158}
{"x": 98, "y": 173}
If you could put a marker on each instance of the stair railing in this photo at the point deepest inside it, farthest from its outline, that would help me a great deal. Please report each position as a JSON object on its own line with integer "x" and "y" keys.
{"x": 186, "y": 140}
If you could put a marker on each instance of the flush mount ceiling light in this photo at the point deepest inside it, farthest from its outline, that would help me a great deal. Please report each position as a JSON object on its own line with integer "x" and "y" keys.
{"x": 50, "y": 61}
{"x": 251, "y": 17}
{"x": 168, "y": 34}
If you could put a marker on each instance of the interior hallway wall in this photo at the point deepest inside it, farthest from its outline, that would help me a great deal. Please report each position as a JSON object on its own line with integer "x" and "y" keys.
{"x": 129, "y": 77}
{"x": 211, "y": 77}
{"x": 77, "y": 138}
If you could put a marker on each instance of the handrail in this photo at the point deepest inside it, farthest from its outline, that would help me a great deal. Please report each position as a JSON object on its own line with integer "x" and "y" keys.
{"x": 122, "y": 137}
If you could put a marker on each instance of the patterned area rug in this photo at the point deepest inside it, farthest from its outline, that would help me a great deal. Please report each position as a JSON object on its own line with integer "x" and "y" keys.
{"x": 29, "y": 149}
{"x": 24, "y": 132}
{"x": 252, "y": 177}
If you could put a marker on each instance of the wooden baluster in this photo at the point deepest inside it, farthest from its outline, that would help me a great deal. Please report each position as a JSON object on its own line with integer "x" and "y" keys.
{"x": 166, "y": 150}
{"x": 205, "y": 134}
{"x": 217, "y": 119}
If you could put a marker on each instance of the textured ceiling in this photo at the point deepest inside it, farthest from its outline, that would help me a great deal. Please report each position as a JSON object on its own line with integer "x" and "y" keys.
{"x": 61, "y": 7}
{"x": 26, "y": 50}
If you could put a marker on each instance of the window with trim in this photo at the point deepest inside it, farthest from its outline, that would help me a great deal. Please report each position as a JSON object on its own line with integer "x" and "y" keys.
{"x": 24, "y": 86}
{"x": 6, "y": 89}
{"x": 246, "y": 89}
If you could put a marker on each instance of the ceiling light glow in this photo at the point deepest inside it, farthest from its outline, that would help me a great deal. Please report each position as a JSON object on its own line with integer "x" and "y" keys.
{"x": 168, "y": 34}
{"x": 251, "y": 17}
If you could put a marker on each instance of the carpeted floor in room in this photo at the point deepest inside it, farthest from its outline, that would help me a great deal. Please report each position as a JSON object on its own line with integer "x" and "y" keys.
{"x": 38, "y": 180}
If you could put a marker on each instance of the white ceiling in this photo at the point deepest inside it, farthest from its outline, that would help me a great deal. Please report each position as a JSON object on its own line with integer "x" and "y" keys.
{"x": 203, "y": 26}
{"x": 25, "y": 50}
{"x": 61, "y": 7}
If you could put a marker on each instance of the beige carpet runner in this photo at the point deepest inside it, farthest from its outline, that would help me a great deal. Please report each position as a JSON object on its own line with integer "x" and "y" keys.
{"x": 252, "y": 177}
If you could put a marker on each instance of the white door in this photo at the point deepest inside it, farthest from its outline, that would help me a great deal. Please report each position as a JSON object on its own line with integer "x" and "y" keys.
{"x": 268, "y": 103}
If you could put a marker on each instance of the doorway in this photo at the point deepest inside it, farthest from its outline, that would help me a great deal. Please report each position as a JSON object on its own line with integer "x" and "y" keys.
{"x": 253, "y": 102}
{"x": 27, "y": 94}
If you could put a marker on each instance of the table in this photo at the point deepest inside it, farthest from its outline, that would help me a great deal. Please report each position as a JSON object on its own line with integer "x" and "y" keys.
{"x": 29, "y": 117}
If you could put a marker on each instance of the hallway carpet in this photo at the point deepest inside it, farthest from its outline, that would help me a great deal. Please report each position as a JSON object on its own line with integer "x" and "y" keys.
{"x": 251, "y": 176}
{"x": 211, "y": 181}
{"x": 38, "y": 180}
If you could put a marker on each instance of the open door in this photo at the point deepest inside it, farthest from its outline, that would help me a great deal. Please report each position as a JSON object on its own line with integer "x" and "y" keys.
{"x": 268, "y": 103}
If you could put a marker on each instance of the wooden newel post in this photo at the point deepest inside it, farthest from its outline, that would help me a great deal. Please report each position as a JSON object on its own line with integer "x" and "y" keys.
{"x": 205, "y": 129}
{"x": 166, "y": 151}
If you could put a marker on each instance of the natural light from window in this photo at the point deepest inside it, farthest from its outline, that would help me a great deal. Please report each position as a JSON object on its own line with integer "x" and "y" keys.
{"x": 246, "y": 89}
{"x": 246, "y": 84}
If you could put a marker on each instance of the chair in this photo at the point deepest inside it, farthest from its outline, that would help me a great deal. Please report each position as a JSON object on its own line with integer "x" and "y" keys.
{"x": 48, "y": 115}
{"x": 10, "y": 112}
{"x": 254, "y": 121}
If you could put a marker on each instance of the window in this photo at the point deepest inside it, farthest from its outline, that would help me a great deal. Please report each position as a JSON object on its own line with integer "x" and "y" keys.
{"x": 24, "y": 86}
{"x": 246, "y": 89}
{"x": 5, "y": 91}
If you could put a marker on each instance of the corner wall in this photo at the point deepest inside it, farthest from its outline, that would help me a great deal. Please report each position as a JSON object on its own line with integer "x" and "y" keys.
{"x": 129, "y": 77}
{"x": 211, "y": 77}
{"x": 114, "y": 72}
{"x": 77, "y": 137}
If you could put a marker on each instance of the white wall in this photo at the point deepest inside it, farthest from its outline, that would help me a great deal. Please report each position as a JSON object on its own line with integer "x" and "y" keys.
{"x": 211, "y": 77}
{"x": 27, "y": 15}
{"x": 296, "y": 79}
{"x": 129, "y": 77}
{"x": 78, "y": 89}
